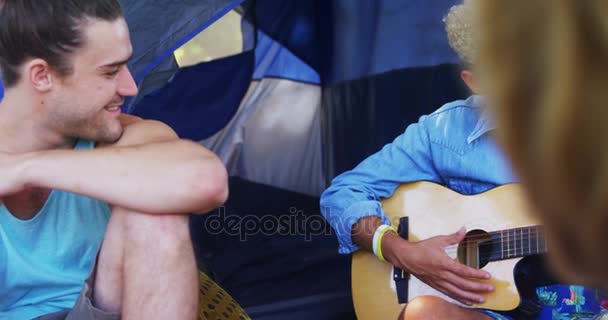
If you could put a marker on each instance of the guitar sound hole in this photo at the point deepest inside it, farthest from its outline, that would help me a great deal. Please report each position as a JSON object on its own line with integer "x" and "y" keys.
{"x": 474, "y": 251}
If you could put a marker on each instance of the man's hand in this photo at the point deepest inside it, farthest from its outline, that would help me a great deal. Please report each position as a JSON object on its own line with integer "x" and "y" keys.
{"x": 428, "y": 261}
{"x": 11, "y": 174}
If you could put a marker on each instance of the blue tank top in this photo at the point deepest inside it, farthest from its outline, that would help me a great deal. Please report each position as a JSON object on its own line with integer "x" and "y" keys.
{"x": 45, "y": 260}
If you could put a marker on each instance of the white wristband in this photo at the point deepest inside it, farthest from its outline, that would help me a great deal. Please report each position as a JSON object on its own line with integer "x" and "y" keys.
{"x": 375, "y": 242}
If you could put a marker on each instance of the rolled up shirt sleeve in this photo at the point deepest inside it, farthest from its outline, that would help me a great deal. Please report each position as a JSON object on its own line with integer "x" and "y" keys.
{"x": 357, "y": 193}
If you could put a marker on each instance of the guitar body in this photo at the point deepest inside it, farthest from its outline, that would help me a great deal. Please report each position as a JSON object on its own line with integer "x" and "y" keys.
{"x": 435, "y": 210}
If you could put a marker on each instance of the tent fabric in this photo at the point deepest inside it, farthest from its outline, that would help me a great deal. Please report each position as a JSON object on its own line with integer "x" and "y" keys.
{"x": 222, "y": 39}
{"x": 374, "y": 37}
{"x": 360, "y": 116}
{"x": 245, "y": 121}
{"x": 347, "y": 40}
{"x": 200, "y": 100}
{"x": 289, "y": 22}
{"x": 274, "y": 253}
{"x": 275, "y": 137}
{"x": 276, "y": 61}
{"x": 182, "y": 97}
{"x": 159, "y": 27}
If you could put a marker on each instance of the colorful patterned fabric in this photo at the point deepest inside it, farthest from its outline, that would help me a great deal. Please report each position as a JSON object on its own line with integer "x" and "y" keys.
{"x": 568, "y": 302}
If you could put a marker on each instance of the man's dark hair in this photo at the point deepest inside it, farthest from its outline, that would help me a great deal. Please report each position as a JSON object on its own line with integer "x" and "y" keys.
{"x": 47, "y": 29}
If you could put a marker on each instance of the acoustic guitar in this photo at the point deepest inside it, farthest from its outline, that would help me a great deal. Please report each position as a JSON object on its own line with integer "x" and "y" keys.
{"x": 500, "y": 233}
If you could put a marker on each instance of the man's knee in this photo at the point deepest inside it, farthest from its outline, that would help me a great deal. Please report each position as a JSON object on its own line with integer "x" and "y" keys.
{"x": 423, "y": 307}
{"x": 430, "y": 307}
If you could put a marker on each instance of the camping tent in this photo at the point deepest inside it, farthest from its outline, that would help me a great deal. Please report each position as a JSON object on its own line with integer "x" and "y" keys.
{"x": 313, "y": 87}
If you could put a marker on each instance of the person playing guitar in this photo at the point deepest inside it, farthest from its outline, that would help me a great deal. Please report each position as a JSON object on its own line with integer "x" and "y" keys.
{"x": 452, "y": 147}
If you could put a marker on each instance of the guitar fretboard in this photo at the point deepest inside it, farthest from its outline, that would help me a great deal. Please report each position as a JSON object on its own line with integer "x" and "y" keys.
{"x": 516, "y": 243}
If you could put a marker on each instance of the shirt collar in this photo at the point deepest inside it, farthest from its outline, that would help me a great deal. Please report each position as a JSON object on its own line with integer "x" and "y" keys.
{"x": 485, "y": 123}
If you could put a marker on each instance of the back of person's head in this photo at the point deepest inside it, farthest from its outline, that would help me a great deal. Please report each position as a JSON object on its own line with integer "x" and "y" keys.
{"x": 460, "y": 33}
{"x": 459, "y": 30}
{"x": 544, "y": 65}
{"x": 47, "y": 29}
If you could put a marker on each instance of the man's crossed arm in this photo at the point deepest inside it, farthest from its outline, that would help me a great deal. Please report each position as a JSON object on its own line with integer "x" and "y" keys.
{"x": 147, "y": 170}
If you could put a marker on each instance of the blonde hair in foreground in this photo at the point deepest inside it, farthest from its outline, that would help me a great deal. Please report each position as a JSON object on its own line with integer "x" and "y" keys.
{"x": 544, "y": 65}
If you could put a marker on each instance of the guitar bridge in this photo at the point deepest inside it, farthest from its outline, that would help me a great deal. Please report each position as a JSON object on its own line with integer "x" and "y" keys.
{"x": 401, "y": 277}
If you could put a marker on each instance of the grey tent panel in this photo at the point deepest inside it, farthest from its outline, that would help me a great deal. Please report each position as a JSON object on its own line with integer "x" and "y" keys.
{"x": 275, "y": 137}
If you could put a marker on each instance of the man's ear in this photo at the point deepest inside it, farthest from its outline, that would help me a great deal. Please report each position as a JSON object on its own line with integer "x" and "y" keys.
{"x": 40, "y": 75}
{"x": 469, "y": 80}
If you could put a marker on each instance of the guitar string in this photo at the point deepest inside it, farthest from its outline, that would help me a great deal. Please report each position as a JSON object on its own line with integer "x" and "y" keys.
{"x": 535, "y": 231}
{"x": 503, "y": 240}
{"x": 508, "y": 252}
{"x": 540, "y": 245}
{"x": 510, "y": 237}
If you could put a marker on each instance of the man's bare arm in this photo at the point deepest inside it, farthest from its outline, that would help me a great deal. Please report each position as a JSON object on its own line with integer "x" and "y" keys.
{"x": 148, "y": 170}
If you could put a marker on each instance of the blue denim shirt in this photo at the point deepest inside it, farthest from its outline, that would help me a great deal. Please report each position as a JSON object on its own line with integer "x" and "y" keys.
{"x": 452, "y": 147}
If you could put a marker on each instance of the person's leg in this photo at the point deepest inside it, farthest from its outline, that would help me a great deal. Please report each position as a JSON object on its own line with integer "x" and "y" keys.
{"x": 146, "y": 268}
{"x": 435, "y": 308}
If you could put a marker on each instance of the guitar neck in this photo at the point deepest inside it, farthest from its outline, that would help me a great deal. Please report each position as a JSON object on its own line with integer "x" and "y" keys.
{"x": 515, "y": 243}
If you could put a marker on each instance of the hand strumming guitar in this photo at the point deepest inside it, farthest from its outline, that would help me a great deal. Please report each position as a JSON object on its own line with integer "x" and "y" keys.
{"x": 428, "y": 261}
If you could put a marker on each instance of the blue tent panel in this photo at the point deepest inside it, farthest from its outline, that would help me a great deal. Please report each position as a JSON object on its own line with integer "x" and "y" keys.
{"x": 1, "y": 89}
{"x": 159, "y": 27}
{"x": 348, "y": 40}
{"x": 373, "y": 37}
{"x": 200, "y": 100}
{"x": 291, "y": 22}
{"x": 273, "y": 60}
{"x": 216, "y": 15}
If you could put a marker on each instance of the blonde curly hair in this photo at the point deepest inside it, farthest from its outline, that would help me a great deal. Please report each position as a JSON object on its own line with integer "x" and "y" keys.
{"x": 459, "y": 28}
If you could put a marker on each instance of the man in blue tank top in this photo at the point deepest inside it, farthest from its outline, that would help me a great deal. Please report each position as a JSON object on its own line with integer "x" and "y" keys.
{"x": 93, "y": 204}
